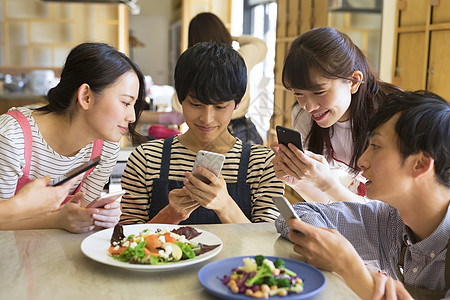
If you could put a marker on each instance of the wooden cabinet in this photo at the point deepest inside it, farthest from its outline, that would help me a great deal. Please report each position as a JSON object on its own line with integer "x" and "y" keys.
{"x": 421, "y": 46}
{"x": 40, "y": 35}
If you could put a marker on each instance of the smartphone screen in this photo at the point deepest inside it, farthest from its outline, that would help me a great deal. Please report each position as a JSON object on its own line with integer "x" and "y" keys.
{"x": 211, "y": 161}
{"x": 77, "y": 171}
{"x": 287, "y": 135}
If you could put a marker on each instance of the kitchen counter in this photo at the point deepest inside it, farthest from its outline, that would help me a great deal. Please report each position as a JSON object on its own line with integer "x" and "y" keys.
{"x": 8, "y": 100}
{"x": 49, "y": 264}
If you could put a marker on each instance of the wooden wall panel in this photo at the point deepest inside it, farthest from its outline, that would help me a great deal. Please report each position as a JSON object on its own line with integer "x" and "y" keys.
{"x": 410, "y": 61}
{"x": 441, "y": 11}
{"x": 422, "y": 40}
{"x": 294, "y": 17}
{"x": 412, "y": 12}
{"x": 439, "y": 64}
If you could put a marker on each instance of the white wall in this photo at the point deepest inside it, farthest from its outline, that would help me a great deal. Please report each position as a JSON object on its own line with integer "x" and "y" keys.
{"x": 387, "y": 40}
{"x": 151, "y": 27}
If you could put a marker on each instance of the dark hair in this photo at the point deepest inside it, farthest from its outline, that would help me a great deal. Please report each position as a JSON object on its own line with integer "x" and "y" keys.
{"x": 326, "y": 52}
{"x": 207, "y": 27}
{"x": 99, "y": 65}
{"x": 423, "y": 125}
{"x": 212, "y": 73}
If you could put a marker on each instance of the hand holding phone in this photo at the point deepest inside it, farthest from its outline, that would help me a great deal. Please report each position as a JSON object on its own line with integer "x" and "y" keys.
{"x": 286, "y": 210}
{"x": 105, "y": 199}
{"x": 77, "y": 171}
{"x": 211, "y": 161}
{"x": 286, "y": 135}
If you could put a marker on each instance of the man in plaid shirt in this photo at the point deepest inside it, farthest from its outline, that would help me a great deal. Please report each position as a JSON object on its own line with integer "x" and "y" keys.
{"x": 407, "y": 164}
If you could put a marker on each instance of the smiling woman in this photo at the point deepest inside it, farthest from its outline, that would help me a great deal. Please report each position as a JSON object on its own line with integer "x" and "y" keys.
{"x": 97, "y": 100}
{"x": 336, "y": 93}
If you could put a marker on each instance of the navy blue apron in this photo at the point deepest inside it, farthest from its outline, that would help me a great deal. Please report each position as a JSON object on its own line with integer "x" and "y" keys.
{"x": 239, "y": 191}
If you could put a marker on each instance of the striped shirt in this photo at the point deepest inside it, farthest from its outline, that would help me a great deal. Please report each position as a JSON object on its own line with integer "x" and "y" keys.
{"x": 378, "y": 233}
{"x": 144, "y": 166}
{"x": 45, "y": 161}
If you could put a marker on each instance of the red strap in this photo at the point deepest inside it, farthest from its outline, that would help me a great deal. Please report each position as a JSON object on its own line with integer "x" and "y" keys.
{"x": 27, "y": 137}
{"x": 96, "y": 151}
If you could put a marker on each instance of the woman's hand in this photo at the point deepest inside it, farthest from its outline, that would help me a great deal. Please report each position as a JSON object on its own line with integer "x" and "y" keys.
{"x": 213, "y": 196}
{"x": 108, "y": 216}
{"x": 37, "y": 198}
{"x": 278, "y": 163}
{"x": 387, "y": 288}
{"x": 305, "y": 166}
{"x": 75, "y": 218}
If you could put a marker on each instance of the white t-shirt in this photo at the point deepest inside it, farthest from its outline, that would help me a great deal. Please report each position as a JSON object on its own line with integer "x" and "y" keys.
{"x": 342, "y": 144}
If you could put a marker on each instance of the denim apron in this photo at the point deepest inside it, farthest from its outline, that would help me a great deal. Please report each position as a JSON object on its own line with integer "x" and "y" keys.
{"x": 418, "y": 293}
{"x": 239, "y": 191}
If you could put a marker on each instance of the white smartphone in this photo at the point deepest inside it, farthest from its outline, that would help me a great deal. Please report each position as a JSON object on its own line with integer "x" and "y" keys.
{"x": 106, "y": 199}
{"x": 211, "y": 161}
{"x": 285, "y": 208}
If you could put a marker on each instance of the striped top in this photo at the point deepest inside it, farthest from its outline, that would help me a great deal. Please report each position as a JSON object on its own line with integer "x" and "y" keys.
{"x": 45, "y": 161}
{"x": 144, "y": 165}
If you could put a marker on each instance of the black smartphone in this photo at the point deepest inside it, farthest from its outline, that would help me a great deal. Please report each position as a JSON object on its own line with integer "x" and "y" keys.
{"x": 287, "y": 135}
{"x": 77, "y": 171}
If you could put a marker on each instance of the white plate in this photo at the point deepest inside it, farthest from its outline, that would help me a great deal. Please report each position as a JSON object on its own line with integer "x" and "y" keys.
{"x": 96, "y": 247}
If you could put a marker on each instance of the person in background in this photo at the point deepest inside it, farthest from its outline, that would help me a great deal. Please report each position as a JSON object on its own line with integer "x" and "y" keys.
{"x": 34, "y": 199}
{"x": 407, "y": 165}
{"x": 206, "y": 27}
{"x": 96, "y": 102}
{"x": 210, "y": 80}
{"x": 336, "y": 92}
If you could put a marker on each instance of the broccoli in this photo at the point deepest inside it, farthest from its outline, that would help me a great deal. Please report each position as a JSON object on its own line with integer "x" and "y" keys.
{"x": 263, "y": 271}
{"x": 259, "y": 259}
{"x": 270, "y": 280}
{"x": 278, "y": 263}
{"x": 283, "y": 282}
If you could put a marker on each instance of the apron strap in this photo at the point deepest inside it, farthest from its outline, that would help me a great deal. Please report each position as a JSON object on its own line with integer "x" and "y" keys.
{"x": 243, "y": 164}
{"x": 28, "y": 142}
{"x": 96, "y": 151}
{"x": 165, "y": 160}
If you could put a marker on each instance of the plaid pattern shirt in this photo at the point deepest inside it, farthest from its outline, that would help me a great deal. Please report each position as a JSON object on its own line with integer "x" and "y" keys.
{"x": 378, "y": 233}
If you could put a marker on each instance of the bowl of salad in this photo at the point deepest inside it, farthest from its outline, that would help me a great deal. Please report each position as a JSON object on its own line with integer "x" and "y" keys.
{"x": 151, "y": 247}
{"x": 259, "y": 276}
